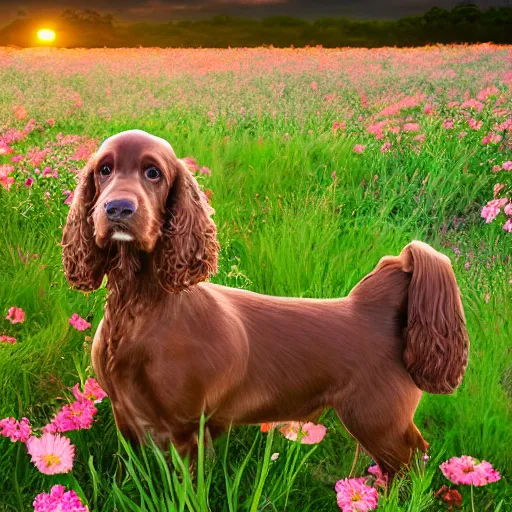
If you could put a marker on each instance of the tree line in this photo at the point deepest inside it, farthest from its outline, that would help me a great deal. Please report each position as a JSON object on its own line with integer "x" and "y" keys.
{"x": 465, "y": 23}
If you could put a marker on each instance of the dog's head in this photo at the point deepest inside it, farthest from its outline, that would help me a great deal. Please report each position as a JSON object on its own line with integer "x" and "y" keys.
{"x": 135, "y": 194}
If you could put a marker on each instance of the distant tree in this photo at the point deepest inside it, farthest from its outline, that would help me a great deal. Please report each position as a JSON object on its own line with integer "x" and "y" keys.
{"x": 468, "y": 13}
{"x": 283, "y": 21}
{"x": 89, "y": 28}
{"x": 436, "y": 16}
{"x": 222, "y": 19}
{"x": 87, "y": 16}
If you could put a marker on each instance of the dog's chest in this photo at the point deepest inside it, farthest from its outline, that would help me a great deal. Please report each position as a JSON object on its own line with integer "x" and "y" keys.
{"x": 116, "y": 357}
{"x": 123, "y": 372}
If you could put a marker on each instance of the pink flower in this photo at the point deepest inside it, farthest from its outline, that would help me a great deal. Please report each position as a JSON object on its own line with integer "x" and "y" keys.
{"x": 407, "y": 102}
{"x": 508, "y": 225}
{"x": 274, "y": 456}
{"x": 5, "y": 149}
{"x": 485, "y": 93}
{"x": 309, "y": 432}
{"x": 16, "y": 430}
{"x": 359, "y": 148}
{"x": 420, "y": 138}
{"x": 83, "y": 152}
{"x": 69, "y": 198}
{"x": 191, "y": 163}
{"x": 507, "y": 166}
{"x": 5, "y": 180}
{"x": 353, "y": 495}
{"x": 37, "y": 156}
{"x": 338, "y": 126}
{"x": 7, "y": 339}
{"x": 8, "y": 428}
{"x": 411, "y": 127}
{"x": 385, "y": 147}
{"x": 78, "y": 322}
{"x": 48, "y": 171}
{"x": 314, "y": 433}
{"x": 469, "y": 471}
{"x": 92, "y": 391}
{"x": 364, "y": 100}
{"x": 29, "y": 181}
{"x": 508, "y": 209}
{"x": 475, "y": 125}
{"x": 205, "y": 170}
{"x": 75, "y": 416}
{"x": 491, "y": 210}
{"x": 15, "y": 315}
{"x": 381, "y": 479}
{"x": 496, "y": 168}
{"x": 492, "y": 138}
{"x": 448, "y": 124}
{"x": 59, "y": 500}
{"x": 497, "y": 189}
{"x": 314, "y": 86}
{"x": 16, "y": 158}
{"x": 291, "y": 430}
{"x": 51, "y": 454}
{"x": 378, "y": 128}
{"x": 477, "y": 105}
{"x": 51, "y": 122}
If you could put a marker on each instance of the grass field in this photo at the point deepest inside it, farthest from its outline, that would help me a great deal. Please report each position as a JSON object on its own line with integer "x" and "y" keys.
{"x": 322, "y": 162}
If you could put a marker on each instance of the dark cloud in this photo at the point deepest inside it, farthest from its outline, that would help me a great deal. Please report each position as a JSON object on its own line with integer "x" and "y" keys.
{"x": 163, "y": 10}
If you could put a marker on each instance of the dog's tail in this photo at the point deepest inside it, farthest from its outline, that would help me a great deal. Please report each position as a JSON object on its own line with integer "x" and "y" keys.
{"x": 436, "y": 340}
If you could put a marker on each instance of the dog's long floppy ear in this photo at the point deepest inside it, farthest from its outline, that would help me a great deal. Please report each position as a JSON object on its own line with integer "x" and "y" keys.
{"x": 186, "y": 253}
{"x": 436, "y": 340}
{"x": 83, "y": 260}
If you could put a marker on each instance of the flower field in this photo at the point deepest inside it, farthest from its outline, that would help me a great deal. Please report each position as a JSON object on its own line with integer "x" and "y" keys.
{"x": 318, "y": 163}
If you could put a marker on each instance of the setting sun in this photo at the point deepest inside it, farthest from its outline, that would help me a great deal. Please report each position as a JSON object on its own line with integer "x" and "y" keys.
{"x": 46, "y": 34}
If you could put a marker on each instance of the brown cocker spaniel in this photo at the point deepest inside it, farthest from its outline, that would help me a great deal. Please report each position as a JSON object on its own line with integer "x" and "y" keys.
{"x": 171, "y": 346}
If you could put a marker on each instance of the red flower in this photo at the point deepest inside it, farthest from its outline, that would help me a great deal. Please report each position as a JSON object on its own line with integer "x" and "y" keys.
{"x": 451, "y": 497}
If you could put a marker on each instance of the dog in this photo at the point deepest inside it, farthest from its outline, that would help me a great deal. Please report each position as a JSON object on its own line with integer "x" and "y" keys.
{"x": 172, "y": 346}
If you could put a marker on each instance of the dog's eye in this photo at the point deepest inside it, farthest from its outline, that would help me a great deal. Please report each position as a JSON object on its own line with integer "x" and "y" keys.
{"x": 105, "y": 170}
{"x": 152, "y": 173}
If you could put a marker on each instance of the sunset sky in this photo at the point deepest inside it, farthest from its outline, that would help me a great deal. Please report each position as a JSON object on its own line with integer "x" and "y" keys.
{"x": 166, "y": 10}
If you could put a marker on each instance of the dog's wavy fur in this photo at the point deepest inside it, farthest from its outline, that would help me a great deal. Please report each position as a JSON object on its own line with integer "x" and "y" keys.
{"x": 171, "y": 346}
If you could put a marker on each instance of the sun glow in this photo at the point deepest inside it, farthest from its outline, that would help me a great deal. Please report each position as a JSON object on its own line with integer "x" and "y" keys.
{"x": 45, "y": 34}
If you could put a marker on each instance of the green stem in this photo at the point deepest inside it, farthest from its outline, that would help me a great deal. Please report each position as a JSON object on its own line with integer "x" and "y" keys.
{"x": 16, "y": 484}
{"x": 354, "y": 464}
{"x": 472, "y": 499}
{"x": 263, "y": 474}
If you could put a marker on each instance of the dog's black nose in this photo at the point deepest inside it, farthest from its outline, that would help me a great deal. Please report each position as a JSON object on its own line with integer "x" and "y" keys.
{"x": 120, "y": 209}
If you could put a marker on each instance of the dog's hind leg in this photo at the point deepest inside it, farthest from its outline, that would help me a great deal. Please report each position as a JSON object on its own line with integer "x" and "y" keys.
{"x": 384, "y": 429}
